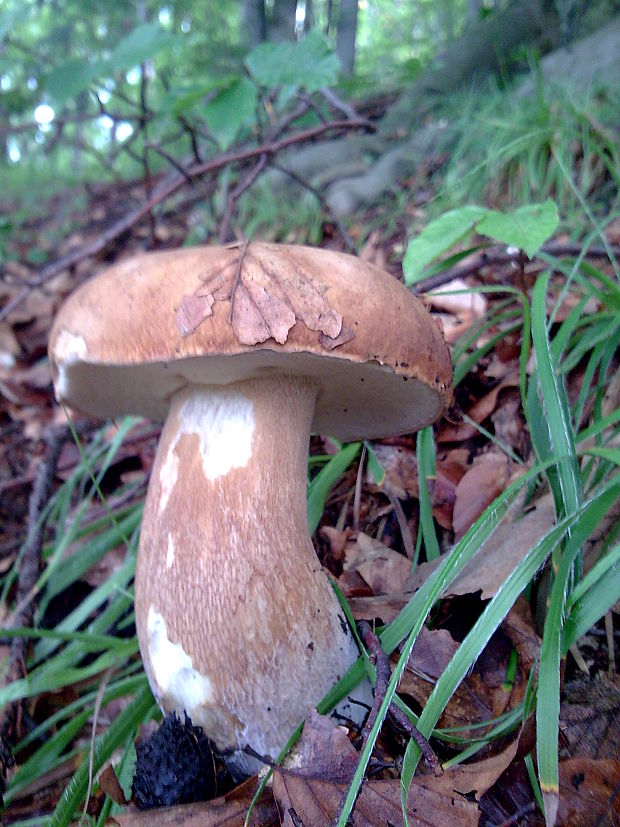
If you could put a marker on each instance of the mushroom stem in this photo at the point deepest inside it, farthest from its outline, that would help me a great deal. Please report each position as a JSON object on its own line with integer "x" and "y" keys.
{"x": 237, "y": 623}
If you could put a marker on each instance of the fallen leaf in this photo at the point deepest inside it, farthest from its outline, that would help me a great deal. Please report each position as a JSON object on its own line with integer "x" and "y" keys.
{"x": 268, "y": 292}
{"x": 477, "y": 777}
{"x": 590, "y": 718}
{"x": 193, "y": 311}
{"x": 589, "y": 792}
{"x": 384, "y": 569}
{"x": 499, "y": 555}
{"x": 469, "y": 302}
{"x": 478, "y": 488}
{"x": 313, "y": 793}
{"x": 315, "y": 803}
{"x": 229, "y": 811}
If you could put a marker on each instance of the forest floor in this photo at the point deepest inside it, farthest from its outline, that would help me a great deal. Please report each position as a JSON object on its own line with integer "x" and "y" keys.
{"x": 366, "y": 540}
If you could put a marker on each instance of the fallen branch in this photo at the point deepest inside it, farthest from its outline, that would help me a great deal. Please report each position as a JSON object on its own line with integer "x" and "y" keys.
{"x": 168, "y": 188}
{"x": 28, "y": 574}
{"x": 496, "y": 258}
{"x": 382, "y": 665}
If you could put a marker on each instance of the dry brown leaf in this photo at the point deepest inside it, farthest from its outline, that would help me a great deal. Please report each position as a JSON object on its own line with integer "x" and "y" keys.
{"x": 499, "y": 555}
{"x": 313, "y": 793}
{"x": 229, "y": 811}
{"x": 460, "y": 303}
{"x": 384, "y": 607}
{"x": 401, "y": 474}
{"x": 268, "y": 293}
{"x": 193, "y": 311}
{"x": 478, "y": 488}
{"x": 384, "y": 569}
{"x": 314, "y": 803}
{"x": 590, "y": 718}
{"x": 589, "y": 793}
{"x": 477, "y": 777}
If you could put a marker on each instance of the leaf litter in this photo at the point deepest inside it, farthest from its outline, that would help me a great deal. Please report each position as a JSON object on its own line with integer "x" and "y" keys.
{"x": 369, "y": 565}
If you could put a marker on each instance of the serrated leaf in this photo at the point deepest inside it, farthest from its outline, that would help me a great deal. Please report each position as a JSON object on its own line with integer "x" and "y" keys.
{"x": 309, "y": 64}
{"x": 437, "y": 237}
{"x": 526, "y": 228}
{"x": 230, "y": 110}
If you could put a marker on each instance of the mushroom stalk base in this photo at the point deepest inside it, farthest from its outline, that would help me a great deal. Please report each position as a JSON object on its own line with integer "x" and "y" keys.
{"x": 237, "y": 623}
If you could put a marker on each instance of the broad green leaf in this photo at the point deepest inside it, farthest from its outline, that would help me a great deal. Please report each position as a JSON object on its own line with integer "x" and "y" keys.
{"x": 70, "y": 78}
{"x": 179, "y": 99}
{"x": 527, "y": 228}
{"x": 437, "y": 237}
{"x": 230, "y": 110}
{"x": 309, "y": 64}
{"x": 139, "y": 45}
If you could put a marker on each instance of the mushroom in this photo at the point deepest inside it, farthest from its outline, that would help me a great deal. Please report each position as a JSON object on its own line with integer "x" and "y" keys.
{"x": 242, "y": 351}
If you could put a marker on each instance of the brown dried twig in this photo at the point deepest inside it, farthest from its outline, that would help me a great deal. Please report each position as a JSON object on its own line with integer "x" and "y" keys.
{"x": 497, "y": 258}
{"x": 382, "y": 665}
{"x": 28, "y": 573}
{"x": 167, "y": 188}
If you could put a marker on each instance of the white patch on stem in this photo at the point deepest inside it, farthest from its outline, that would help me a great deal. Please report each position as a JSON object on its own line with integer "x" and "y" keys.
{"x": 224, "y": 421}
{"x": 168, "y": 476}
{"x": 178, "y": 684}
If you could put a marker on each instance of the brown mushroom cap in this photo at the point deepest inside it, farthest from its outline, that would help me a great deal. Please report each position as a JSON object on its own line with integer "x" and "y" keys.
{"x": 130, "y": 338}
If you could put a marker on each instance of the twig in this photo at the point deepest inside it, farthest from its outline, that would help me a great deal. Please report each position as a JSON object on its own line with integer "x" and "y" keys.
{"x": 522, "y": 811}
{"x": 495, "y": 258}
{"x": 382, "y": 664}
{"x": 348, "y": 241}
{"x": 168, "y": 188}
{"x": 243, "y": 185}
{"x": 28, "y": 574}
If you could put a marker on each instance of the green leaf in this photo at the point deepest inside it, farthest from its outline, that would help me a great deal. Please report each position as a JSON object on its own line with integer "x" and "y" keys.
{"x": 230, "y": 110}
{"x": 139, "y": 45}
{"x": 309, "y": 64}
{"x": 70, "y": 78}
{"x": 437, "y": 237}
{"x": 527, "y": 228}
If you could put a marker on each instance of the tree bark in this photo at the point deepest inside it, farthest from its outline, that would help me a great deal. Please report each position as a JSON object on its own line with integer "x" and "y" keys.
{"x": 346, "y": 34}
{"x": 254, "y": 22}
{"x": 281, "y": 21}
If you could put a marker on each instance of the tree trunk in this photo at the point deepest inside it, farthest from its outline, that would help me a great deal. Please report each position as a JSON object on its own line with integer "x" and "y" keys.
{"x": 281, "y": 21}
{"x": 254, "y": 22}
{"x": 345, "y": 35}
{"x": 483, "y": 50}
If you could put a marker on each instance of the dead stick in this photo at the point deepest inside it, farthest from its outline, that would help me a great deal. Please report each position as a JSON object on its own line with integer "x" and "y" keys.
{"x": 382, "y": 665}
{"x": 28, "y": 574}
{"x": 494, "y": 258}
{"x": 165, "y": 190}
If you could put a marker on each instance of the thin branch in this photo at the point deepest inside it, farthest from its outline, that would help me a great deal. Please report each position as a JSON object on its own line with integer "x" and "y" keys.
{"x": 244, "y": 184}
{"x": 28, "y": 574}
{"x": 381, "y": 660}
{"x": 168, "y": 188}
{"x": 495, "y": 258}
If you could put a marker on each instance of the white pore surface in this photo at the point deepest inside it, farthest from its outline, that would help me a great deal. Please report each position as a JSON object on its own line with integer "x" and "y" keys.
{"x": 224, "y": 421}
{"x": 178, "y": 684}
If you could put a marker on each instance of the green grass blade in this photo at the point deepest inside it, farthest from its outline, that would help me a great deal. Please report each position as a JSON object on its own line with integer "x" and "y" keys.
{"x": 140, "y": 709}
{"x": 327, "y": 477}
{"x": 427, "y": 470}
